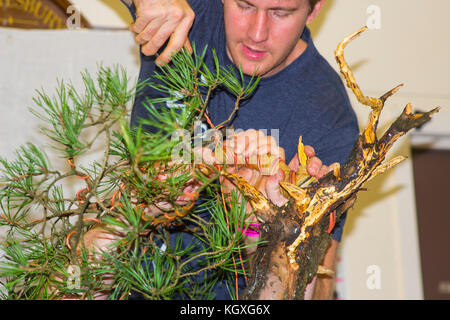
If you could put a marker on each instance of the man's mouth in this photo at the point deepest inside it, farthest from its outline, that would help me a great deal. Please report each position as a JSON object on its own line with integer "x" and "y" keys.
{"x": 253, "y": 54}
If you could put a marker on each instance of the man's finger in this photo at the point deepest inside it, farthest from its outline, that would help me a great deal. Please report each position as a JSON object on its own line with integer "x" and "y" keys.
{"x": 242, "y": 140}
{"x": 273, "y": 188}
{"x": 146, "y": 34}
{"x": 158, "y": 40}
{"x": 295, "y": 163}
{"x": 254, "y": 141}
{"x": 265, "y": 145}
{"x": 188, "y": 47}
{"x": 314, "y": 166}
{"x": 139, "y": 25}
{"x": 177, "y": 40}
{"x": 323, "y": 171}
{"x": 252, "y": 176}
{"x": 309, "y": 151}
{"x": 204, "y": 155}
{"x": 240, "y": 143}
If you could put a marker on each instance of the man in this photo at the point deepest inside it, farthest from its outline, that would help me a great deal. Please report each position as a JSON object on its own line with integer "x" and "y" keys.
{"x": 299, "y": 93}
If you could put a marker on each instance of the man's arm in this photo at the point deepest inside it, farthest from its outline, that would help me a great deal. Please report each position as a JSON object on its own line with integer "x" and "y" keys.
{"x": 158, "y": 21}
{"x": 325, "y": 284}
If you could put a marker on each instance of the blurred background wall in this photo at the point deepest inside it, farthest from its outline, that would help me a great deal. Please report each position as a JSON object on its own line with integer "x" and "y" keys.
{"x": 383, "y": 253}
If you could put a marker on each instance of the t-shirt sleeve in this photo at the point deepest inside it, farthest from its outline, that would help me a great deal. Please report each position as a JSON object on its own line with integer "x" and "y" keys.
{"x": 131, "y": 8}
{"x": 196, "y": 5}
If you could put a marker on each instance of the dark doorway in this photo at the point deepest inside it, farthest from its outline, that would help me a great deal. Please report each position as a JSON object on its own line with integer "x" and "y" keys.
{"x": 432, "y": 185}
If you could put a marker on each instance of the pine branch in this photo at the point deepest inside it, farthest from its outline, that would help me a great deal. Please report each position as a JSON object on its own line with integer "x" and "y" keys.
{"x": 48, "y": 226}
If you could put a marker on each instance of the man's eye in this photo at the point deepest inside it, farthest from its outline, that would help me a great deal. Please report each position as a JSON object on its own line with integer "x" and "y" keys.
{"x": 280, "y": 13}
{"x": 243, "y": 5}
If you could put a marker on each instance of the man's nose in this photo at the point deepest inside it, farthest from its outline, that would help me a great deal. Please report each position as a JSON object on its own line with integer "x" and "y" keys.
{"x": 259, "y": 28}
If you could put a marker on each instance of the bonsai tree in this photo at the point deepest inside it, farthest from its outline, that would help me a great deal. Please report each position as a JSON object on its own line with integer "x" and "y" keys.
{"x": 104, "y": 242}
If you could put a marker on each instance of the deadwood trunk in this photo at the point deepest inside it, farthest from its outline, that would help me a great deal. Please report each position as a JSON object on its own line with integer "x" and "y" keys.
{"x": 297, "y": 234}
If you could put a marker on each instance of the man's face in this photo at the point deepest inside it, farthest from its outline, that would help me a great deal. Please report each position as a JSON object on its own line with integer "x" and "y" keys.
{"x": 263, "y": 36}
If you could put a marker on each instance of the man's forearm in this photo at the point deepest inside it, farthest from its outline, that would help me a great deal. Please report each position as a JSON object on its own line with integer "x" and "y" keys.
{"x": 325, "y": 284}
{"x": 324, "y": 288}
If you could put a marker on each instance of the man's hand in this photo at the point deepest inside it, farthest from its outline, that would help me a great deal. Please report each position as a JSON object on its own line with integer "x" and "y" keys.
{"x": 246, "y": 148}
{"x": 160, "y": 20}
{"x": 173, "y": 170}
{"x": 314, "y": 167}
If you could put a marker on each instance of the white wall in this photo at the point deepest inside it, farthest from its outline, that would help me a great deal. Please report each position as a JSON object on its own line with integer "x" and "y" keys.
{"x": 104, "y": 13}
{"x": 412, "y": 47}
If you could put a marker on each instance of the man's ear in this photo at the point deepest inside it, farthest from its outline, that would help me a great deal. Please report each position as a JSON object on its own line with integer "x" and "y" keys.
{"x": 315, "y": 11}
